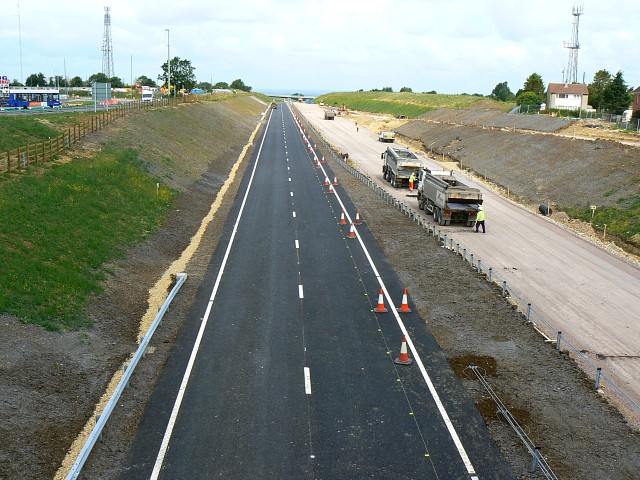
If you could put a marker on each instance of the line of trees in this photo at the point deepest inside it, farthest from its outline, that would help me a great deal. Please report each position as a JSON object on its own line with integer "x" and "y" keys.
{"x": 606, "y": 92}
{"x": 182, "y": 77}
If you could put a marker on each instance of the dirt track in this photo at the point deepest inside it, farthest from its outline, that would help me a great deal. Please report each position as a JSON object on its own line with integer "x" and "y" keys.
{"x": 50, "y": 382}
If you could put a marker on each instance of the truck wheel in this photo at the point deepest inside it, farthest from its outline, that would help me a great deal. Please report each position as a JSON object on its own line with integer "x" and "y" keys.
{"x": 393, "y": 181}
{"x": 420, "y": 204}
{"x": 435, "y": 214}
{"x": 384, "y": 174}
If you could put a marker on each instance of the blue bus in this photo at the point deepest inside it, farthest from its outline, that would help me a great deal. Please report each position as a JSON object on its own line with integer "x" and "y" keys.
{"x": 29, "y": 97}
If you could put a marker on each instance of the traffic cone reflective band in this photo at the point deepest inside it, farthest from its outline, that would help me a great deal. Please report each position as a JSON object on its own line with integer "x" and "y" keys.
{"x": 342, "y": 220}
{"x": 380, "y": 308}
{"x": 326, "y": 181}
{"x": 335, "y": 180}
{"x": 403, "y": 359}
{"x": 352, "y": 231}
{"x": 404, "y": 308}
{"x": 357, "y": 217}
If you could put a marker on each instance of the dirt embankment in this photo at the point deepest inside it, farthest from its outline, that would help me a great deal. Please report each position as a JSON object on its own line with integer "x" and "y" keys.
{"x": 50, "y": 382}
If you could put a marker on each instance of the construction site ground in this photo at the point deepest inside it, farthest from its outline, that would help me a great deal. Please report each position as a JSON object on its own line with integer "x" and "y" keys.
{"x": 50, "y": 382}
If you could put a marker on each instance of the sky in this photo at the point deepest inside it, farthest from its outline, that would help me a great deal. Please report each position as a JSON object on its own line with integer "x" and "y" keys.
{"x": 317, "y": 46}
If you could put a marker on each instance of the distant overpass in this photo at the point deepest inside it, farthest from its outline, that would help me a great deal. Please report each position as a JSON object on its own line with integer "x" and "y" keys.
{"x": 291, "y": 97}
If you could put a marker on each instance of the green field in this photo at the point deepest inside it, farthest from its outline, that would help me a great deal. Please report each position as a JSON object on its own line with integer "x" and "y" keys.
{"x": 62, "y": 223}
{"x": 410, "y": 105}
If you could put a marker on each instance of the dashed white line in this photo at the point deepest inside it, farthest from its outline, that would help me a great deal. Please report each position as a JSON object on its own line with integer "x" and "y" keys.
{"x": 307, "y": 380}
{"x": 300, "y": 291}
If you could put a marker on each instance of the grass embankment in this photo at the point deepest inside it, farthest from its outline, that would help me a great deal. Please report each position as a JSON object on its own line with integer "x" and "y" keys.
{"x": 62, "y": 223}
{"x": 410, "y": 105}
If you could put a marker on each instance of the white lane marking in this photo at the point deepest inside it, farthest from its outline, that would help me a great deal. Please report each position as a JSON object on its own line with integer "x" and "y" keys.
{"x": 194, "y": 352}
{"x": 289, "y": 178}
{"x": 291, "y": 193}
{"x": 297, "y": 244}
{"x": 307, "y": 380}
{"x": 294, "y": 214}
{"x": 300, "y": 291}
{"x": 434, "y": 394}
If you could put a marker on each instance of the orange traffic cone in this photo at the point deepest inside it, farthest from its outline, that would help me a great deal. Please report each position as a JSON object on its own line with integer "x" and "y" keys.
{"x": 380, "y": 308}
{"x": 357, "y": 217}
{"x": 335, "y": 180}
{"x": 342, "y": 220}
{"x": 352, "y": 231}
{"x": 404, "y": 308}
{"x": 323, "y": 160}
{"x": 326, "y": 181}
{"x": 403, "y": 359}
{"x": 330, "y": 188}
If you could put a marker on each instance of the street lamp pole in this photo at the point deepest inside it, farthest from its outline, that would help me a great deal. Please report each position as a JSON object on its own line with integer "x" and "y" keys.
{"x": 168, "y": 65}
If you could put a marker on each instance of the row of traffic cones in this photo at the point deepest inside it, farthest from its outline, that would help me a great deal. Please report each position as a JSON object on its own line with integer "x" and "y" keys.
{"x": 404, "y": 308}
{"x": 358, "y": 220}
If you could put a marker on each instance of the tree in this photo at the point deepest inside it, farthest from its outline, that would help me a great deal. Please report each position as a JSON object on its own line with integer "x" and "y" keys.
{"x": 36, "y": 80}
{"x": 534, "y": 84}
{"x": 206, "y": 86}
{"x": 239, "y": 85}
{"x": 76, "y": 82}
{"x": 182, "y": 76}
{"x": 529, "y": 99}
{"x": 501, "y": 92}
{"x": 116, "y": 82}
{"x": 145, "y": 81}
{"x": 222, "y": 85}
{"x": 16, "y": 83}
{"x": 57, "y": 81}
{"x": 406, "y": 89}
{"x": 387, "y": 89}
{"x": 615, "y": 96}
{"x": 601, "y": 79}
{"x": 99, "y": 78}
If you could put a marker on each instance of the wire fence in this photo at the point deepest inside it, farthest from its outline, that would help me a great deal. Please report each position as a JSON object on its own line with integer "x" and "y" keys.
{"x": 21, "y": 158}
{"x": 543, "y": 326}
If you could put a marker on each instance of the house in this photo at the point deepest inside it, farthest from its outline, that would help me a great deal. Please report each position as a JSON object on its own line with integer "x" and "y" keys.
{"x": 635, "y": 106}
{"x": 567, "y": 96}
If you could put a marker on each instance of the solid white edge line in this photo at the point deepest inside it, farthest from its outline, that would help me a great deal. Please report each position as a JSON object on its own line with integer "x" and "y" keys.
{"x": 434, "y": 394}
{"x": 185, "y": 379}
{"x": 300, "y": 292}
{"x": 307, "y": 380}
{"x": 297, "y": 244}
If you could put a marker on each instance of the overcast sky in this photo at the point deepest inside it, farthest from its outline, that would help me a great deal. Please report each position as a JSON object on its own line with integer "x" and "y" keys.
{"x": 311, "y": 46}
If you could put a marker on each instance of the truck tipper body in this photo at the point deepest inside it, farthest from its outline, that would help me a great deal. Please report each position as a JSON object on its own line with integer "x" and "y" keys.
{"x": 398, "y": 164}
{"x": 388, "y": 136}
{"x": 447, "y": 198}
{"x": 329, "y": 114}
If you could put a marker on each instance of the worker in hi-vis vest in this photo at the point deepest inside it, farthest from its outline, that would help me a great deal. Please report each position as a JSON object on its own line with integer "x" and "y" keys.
{"x": 480, "y": 219}
{"x": 412, "y": 179}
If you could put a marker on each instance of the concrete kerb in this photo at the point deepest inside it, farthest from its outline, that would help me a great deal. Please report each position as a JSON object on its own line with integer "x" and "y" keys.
{"x": 506, "y": 292}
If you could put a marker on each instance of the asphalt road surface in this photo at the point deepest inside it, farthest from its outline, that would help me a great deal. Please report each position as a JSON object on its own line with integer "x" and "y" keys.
{"x": 586, "y": 293}
{"x": 285, "y": 370}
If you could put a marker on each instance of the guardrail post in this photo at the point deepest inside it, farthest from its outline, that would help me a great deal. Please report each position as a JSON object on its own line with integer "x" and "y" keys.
{"x": 479, "y": 266}
{"x": 598, "y": 375}
{"x": 464, "y": 254}
{"x": 457, "y": 249}
{"x": 446, "y": 240}
{"x": 490, "y": 274}
{"x": 504, "y": 289}
{"x": 528, "y": 312}
{"x": 472, "y": 261}
{"x": 558, "y": 340}
{"x": 535, "y": 460}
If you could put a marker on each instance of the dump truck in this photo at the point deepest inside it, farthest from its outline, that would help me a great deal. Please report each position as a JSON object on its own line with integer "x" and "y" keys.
{"x": 447, "y": 198}
{"x": 387, "y": 136}
{"x": 329, "y": 115}
{"x": 398, "y": 164}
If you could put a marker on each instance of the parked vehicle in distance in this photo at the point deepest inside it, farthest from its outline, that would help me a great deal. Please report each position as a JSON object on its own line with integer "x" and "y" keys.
{"x": 398, "y": 165}
{"x": 388, "y": 136}
{"x": 329, "y": 115}
{"x": 147, "y": 94}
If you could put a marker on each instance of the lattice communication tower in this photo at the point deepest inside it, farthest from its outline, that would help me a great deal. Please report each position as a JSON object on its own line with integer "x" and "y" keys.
{"x": 107, "y": 47}
{"x": 573, "y": 46}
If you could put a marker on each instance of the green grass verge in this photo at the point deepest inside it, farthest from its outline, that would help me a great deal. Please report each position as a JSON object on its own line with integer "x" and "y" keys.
{"x": 410, "y": 105}
{"x": 61, "y": 224}
{"x": 622, "y": 220}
